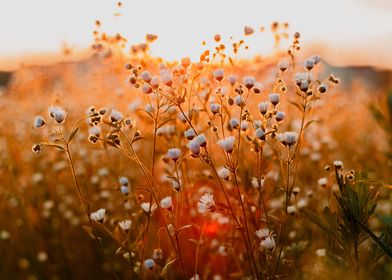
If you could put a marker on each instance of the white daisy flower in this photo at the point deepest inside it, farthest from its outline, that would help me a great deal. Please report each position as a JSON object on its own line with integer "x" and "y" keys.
{"x": 98, "y": 215}
{"x": 167, "y": 203}
{"x": 125, "y": 225}
{"x": 206, "y": 204}
{"x": 147, "y": 209}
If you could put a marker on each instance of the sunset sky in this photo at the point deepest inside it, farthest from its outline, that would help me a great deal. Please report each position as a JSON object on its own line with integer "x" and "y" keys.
{"x": 42, "y": 26}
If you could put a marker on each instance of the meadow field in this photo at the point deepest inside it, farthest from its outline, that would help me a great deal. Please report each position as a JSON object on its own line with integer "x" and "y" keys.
{"x": 123, "y": 165}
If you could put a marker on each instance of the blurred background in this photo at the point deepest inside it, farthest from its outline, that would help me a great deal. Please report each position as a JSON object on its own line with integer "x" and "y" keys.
{"x": 348, "y": 32}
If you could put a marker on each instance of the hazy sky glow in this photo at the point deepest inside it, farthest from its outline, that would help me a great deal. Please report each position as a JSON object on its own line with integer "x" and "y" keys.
{"x": 43, "y": 25}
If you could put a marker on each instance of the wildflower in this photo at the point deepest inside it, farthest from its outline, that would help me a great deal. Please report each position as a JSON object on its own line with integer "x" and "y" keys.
{"x": 232, "y": 79}
{"x": 239, "y": 101}
{"x": 309, "y": 64}
{"x": 338, "y": 164}
{"x": 249, "y": 82}
{"x": 174, "y": 154}
{"x": 149, "y": 264}
{"x": 36, "y": 148}
{"x": 125, "y": 225}
{"x": 263, "y": 107}
{"x": 323, "y": 88}
{"x": 189, "y": 134}
{"x": 234, "y": 123}
{"x": 185, "y": 62}
{"x": 39, "y": 122}
{"x": 258, "y": 87}
{"x": 321, "y": 252}
{"x": 123, "y": 181}
{"x": 227, "y": 144}
{"x": 146, "y": 76}
{"x": 280, "y": 116}
{"x": 283, "y": 66}
{"x": 263, "y": 233}
{"x": 215, "y": 108}
{"x": 124, "y": 190}
{"x": 115, "y": 116}
{"x": 94, "y": 130}
{"x": 201, "y": 140}
{"x": 316, "y": 59}
{"x": 167, "y": 79}
{"x": 57, "y": 113}
{"x": 267, "y": 243}
{"x": 288, "y": 138}
{"x": 98, "y": 215}
{"x": 206, "y": 204}
{"x": 167, "y": 203}
{"x": 248, "y": 30}
{"x": 260, "y": 133}
{"x": 224, "y": 173}
{"x": 322, "y": 182}
{"x": 154, "y": 81}
{"x": 274, "y": 98}
{"x": 302, "y": 203}
{"x": 147, "y": 208}
{"x": 218, "y": 74}
{"x": 296, "y": 190}
{"x": 291, "y": 209}
{"x": 244, "y": 125}
{"x": 146, "y": 89}
{"x": 157, "y": 255}
{"x": 194, "y": 146}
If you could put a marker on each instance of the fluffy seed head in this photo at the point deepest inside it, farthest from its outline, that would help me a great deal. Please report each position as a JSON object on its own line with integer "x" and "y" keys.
{"x": 274, "y": 98}
{"x": 146, "y": 76}
{"x": 174, "y": 154}
{"x": 227, "y": 144}
{"x": 115, "y": 116}
{"x": 263, "y": 107}
{"x": 215, "y": 108}
{"x": 218, "y": 74}
{"x": 249, "y": 81}
{"x": 224, "y": 173}
{"x": 57, "y": 113}
{"x": 267, "y": 243}
{"x": 39, "y": 122}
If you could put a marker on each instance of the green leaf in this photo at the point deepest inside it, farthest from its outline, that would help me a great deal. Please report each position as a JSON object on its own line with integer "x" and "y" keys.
{"x": 379, "y": 242}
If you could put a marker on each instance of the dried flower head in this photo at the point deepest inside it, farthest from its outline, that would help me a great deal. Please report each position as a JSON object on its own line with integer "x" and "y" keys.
{"x": 215, "y": 108}
{"x": 224, "y": 173}
{"x": 249, "y": 81}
